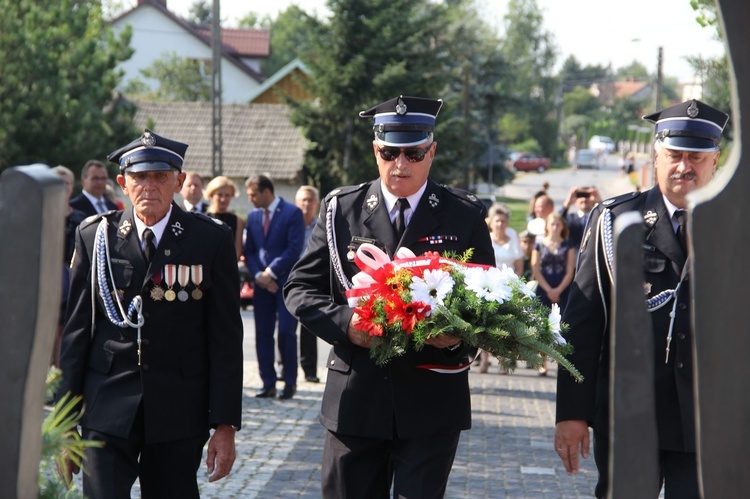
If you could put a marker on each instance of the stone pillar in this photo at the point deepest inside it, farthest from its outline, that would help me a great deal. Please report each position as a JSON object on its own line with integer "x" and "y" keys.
{"x": 634, "y": 448}
{"x": 719, "y": 237}
{"x": 32, "y": 214}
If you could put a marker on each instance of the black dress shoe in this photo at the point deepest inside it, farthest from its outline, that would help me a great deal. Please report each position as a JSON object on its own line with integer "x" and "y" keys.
{"x": 288, "y": 392}
{"x": 266, "y": 392}
{"x": 311, "y": 378}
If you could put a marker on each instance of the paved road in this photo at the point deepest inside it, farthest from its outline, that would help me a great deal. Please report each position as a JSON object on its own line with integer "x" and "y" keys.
{"x": 507, "y": 454}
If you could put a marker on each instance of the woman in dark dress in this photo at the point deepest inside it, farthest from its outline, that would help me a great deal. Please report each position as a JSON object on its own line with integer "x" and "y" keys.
{"x": 220, "y": 192}
{"x": 553, "y": 263}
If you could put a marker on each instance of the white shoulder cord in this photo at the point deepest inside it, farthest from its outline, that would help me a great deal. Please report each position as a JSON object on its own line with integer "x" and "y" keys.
{"x": 332, "y": 246}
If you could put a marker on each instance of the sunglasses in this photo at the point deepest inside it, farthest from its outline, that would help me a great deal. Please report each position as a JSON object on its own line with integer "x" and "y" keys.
{"x": 413, "y": 154}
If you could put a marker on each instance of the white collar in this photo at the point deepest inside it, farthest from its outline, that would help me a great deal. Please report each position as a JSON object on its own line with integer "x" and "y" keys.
{"x": 94, "y": 200}
{"x": 670, "y": 207}
{"x": 390, "y": 199}
{"x": 274, "y": 204}
{"x": 158, "y": 228}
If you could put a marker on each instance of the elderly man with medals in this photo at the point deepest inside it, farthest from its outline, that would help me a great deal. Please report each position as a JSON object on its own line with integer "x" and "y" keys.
{"x": 686, "y": 152}
{"x": 153, "y": 340}
{"x": 398, "y": 424}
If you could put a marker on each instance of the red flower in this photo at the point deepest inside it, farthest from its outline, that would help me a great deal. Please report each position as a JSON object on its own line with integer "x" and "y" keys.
{"x": 367, "y": 317}
{"x": 408, "y": 314}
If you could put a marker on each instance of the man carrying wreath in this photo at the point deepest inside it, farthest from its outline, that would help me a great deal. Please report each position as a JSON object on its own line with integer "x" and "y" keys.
{"x": 398, "y": 424}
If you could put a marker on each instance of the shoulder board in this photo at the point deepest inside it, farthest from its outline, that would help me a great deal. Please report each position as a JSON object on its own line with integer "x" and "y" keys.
{"x": 612, "y": 202}
{"x": 95, "y": 218}
{"x": 464, "y": 195}
{"x": 211, "y": 220}
{"x": 343, "y": 191}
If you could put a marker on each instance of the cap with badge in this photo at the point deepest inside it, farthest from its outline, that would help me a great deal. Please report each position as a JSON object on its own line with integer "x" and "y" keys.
{"x": 150, "y": 152}
{"x": 689, "y": 126}
{"x": 404, "y": 121}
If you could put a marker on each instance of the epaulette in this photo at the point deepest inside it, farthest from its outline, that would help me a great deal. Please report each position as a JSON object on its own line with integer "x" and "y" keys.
{"x": 343, "y": 191}
{"x": 612, "y": 202}
{"x": 95, "y": 218}
{"x": 215, "y": 222}
{"x": 464, "y": 195}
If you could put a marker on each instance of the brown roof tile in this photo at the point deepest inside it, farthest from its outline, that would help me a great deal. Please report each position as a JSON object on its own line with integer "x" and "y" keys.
{"x": 242, "y": 42}
{"x": 257, "y": 138}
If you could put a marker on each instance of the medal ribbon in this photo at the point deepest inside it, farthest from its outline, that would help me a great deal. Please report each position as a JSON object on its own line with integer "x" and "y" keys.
{"x": 170, "y": 273}
{"x": 183, "y": 275}
{"x": 197, "y": 273}
{"x": 156, "y": 278}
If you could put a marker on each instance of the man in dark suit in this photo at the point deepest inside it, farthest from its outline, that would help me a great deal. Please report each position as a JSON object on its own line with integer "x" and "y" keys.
{"x": 307, "y": 199}
{"x": 157, "y": 380}
{"x": 399, "y": 423}
{"x": 576, "y": 210}
{"x": 274, "y": 236}
{"x": 92, "y": 200}
{"x": 192, "y": 193}
{"x": 686, "y": 154}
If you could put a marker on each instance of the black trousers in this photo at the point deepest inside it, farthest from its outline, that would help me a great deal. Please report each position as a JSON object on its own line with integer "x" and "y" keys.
{"x": 308, "y": 352}
{"x": 165, "y": 470}
{"x": 360, "y": 467}
{"x": 678, "y": 472}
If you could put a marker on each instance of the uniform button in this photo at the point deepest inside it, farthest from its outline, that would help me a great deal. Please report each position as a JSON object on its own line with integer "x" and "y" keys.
{"x": 679, "y": 365}
{"x": 681, "y": 336}
{"x": 145, "y": 315}
{"x": 333, "y": 362}
{"x": 683, "y": 306}
{"x": 145, "y": 342}
{"x": 144, "y": 367}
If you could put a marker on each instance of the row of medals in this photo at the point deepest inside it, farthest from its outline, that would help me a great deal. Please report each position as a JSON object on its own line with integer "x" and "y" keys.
{"x": 158, "y": 293}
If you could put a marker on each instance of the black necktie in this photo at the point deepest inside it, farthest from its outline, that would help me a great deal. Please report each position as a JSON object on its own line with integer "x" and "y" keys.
{"x": 149, "y": 248}
{"x": 399, "y": 224}
{"x": 681, "y": 217}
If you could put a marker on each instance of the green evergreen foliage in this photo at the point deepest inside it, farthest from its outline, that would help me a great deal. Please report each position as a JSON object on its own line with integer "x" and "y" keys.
{"x": 60, "y": 440}
{"x": 57, "y": 92}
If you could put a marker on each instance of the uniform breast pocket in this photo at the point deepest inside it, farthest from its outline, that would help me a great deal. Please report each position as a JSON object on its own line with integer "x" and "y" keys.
{"x": 122, "y": 273}
{"x": 654, "y": 264}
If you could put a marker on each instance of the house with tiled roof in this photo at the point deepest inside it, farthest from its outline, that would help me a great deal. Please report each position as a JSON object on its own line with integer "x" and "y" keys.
{"x": 157, "y": 33}
{"x": 257, "y": 138}
{"x": 636, "y": 91}
{"x": 285, "y": 83}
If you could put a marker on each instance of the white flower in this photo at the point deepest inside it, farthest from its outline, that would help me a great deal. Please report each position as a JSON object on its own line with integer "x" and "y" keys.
{"x": 554, "y": 324}
{"x": 432, "y": 288}
{"x": 490, "y": 284}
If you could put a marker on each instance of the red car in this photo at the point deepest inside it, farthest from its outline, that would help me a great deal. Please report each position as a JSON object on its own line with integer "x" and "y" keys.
{"x": 528, "y": 162}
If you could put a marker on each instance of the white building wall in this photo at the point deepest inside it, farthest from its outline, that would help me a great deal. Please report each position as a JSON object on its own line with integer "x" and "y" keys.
{"x": 156, "y": 35}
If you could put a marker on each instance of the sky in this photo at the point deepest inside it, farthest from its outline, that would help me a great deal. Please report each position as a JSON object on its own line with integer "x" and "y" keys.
{"x": 594, "y": 31}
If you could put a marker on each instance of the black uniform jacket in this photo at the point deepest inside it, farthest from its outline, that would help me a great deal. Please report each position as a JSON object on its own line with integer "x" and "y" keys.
{"x": 191, "y": 372}
{"x": 588, "y": 317}
{"x": 361, "y": 398}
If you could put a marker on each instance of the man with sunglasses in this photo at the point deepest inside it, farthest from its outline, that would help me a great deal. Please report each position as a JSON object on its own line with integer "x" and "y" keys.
{"x": 398, "y": 424}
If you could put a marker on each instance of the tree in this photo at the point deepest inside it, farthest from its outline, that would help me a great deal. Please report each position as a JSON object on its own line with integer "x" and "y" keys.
{"x": 370, "y": 51}
{"x": 291, "y": 34}
{"x": 201, "y": 13}
{"x": 532, "y": 52}
{"x": 57, "y": 91}
{"x": 180, "y": 80}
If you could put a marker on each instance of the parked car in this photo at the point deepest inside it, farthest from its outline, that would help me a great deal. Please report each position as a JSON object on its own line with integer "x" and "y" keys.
{"x": 587, "y": 158}
{"x": 528, "y": 162}
{"x": 602, "y": 143}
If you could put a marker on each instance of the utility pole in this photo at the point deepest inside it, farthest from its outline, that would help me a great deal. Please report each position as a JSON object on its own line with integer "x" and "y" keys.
{"x": 659, "y": 77}
{"x": 216, "y": 138}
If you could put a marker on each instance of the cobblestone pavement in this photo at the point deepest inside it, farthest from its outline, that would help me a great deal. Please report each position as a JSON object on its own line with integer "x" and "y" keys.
{"x": 507, "y": 454}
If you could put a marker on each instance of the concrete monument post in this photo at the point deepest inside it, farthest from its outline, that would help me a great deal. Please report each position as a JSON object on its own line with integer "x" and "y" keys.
{"x": 32, "y": 214}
